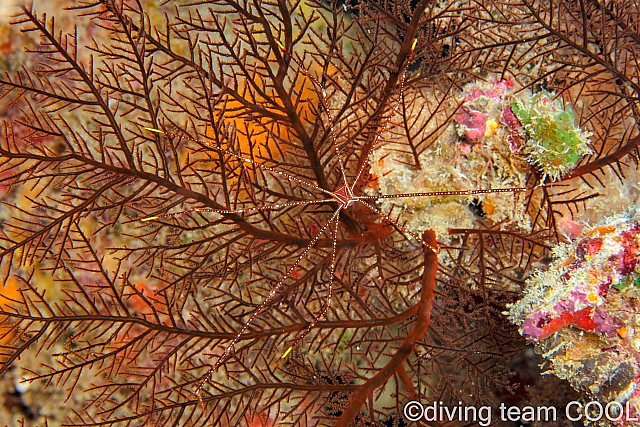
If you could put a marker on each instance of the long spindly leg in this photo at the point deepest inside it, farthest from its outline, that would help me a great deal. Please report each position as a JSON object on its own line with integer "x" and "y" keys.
{"x": 329, "y": 291}
{"x": 384, "y": 126}
{"x": 272, "y": 293}
{"x": 237, "y": 211}
{"x": 447, "y": 193}
{"x": 430, "y": 194}
{"x": 325, "y": 104}
{"x": 401, "y": 228}
{"x": 244, "y": 159}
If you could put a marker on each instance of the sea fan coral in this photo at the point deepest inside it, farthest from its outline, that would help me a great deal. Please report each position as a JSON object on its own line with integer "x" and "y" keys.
{"x": 121, "y": 319}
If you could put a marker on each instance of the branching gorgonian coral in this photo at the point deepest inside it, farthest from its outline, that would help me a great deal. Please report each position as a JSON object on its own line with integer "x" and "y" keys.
{"x": 127, "y": 317}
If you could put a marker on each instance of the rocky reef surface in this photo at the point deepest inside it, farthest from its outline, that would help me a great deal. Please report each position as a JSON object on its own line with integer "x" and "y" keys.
{"x": 581, "y": 313}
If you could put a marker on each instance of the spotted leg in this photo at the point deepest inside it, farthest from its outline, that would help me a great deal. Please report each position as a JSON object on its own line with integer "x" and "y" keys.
{"x": 329, "y": 291}
{"x": 225, "y": 354}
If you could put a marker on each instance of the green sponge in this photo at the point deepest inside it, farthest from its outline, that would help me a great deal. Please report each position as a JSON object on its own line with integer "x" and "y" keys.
{"x": 555, "y": 143}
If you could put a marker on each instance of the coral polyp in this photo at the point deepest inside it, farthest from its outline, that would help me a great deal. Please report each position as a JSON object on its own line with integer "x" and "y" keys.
{"x": 582, "y": 314}
{"x": 555, "y": 144}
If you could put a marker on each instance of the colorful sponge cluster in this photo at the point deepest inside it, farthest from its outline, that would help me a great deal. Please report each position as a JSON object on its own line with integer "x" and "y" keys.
{"x": 583, "y": 312}
{"x": 540, "y": 129}
{"x": 498, "y": 138}
{"x": 471, "y": 153}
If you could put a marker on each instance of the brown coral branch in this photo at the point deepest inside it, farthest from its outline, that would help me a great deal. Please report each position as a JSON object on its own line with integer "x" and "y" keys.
{"x": 422, "y": 324}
